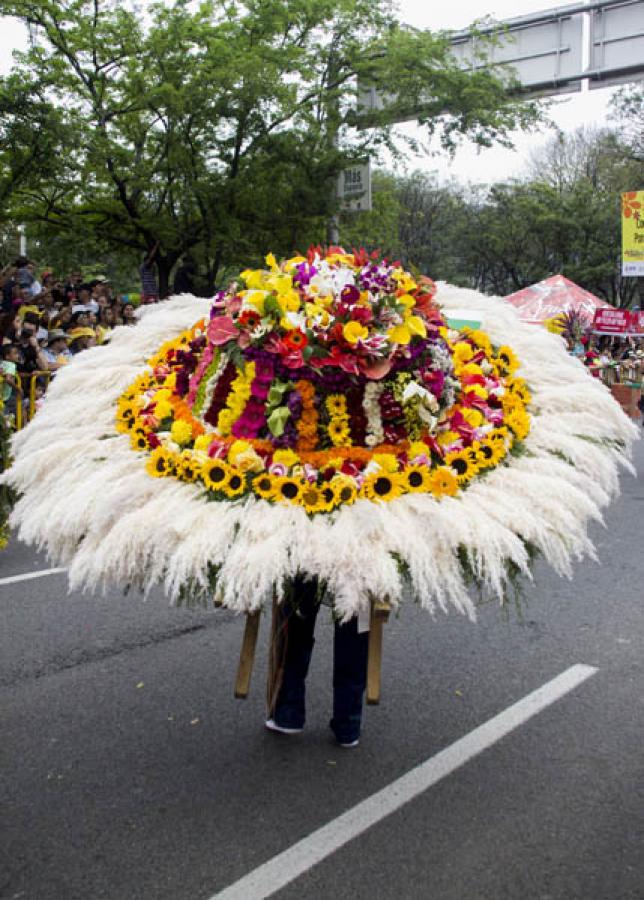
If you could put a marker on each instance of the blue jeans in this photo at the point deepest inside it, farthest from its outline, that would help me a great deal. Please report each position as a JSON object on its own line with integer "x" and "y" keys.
{"x": 296, "y": 627}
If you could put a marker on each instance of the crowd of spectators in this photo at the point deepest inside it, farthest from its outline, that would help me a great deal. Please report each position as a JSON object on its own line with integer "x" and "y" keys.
{"x": 45, "y": 321}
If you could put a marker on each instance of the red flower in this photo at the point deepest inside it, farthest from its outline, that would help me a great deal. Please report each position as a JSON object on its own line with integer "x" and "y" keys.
{"x": 249, "y": 317}
{"x": 295, "y": 340}
{"x": 153, "y": 441}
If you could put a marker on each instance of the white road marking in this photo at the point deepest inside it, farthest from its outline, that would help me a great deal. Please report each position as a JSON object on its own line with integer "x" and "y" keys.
{"x": 279, "y": 871}
{"x": 41, "y": 573}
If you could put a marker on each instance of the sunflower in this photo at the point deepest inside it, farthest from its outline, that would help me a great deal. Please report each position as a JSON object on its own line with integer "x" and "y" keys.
{"x": 498, "y": 435}
{"x": 339, "y": 433}
{"x": 486, "y": 455}
{"x": 264, "y": 487}
{"x": 506, "y": 360}
{"x": 187, "y": 468}
{"x": 443, "y": 482}
{"x": 344, "y": 490}
{"x": 382, "y": 486}
{"x": 465, "y": 463}
{"x": 416, "y": 479}
{"x": 138, "y": 439}
{"x": 235, "y": 484}
{"x": 329, "y": 497}
{"x": 497, "y": 451}
{"x": 519, "y": 422}
{"x": 336, "y": 405}
{"x": 313, "y": 499}
{"x": 160, "y": 463}
{"x": 288, "y": 490}
{"x": 214, "y": 474}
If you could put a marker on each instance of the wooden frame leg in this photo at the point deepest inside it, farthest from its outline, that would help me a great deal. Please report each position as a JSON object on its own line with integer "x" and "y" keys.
{"x": 247, "y": 655}
{"x": 380, "y": 610}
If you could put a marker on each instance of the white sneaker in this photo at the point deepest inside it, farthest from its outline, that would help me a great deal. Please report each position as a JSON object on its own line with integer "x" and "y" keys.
{"x": 350, "y": 744}
{"x": 272, "y": 725}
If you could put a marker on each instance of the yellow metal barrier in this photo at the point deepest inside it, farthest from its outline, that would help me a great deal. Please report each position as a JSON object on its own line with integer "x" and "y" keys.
{"x": 26, "y": 414}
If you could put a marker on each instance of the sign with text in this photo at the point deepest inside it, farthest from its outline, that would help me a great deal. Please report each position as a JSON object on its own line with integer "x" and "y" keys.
{"x": 612, "y": 321}
{"x": 354, "y": 188}
{"x": 633, "y": 233}
{"x": 637, "y": 321}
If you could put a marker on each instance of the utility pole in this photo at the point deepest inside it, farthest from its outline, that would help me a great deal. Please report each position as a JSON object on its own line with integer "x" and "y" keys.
{"x": 333, "y": 121}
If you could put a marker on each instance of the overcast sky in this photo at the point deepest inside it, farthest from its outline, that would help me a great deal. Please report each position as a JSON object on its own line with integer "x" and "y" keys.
{"x": 469, "y": 164}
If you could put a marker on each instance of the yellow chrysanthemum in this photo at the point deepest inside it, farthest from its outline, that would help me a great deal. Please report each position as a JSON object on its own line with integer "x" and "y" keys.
{"x": 382, "y": 486}
{"x": 181, "y": 432}
{"x": 203, "y": 441}
{"x": 163, "y": 410}
{"x": 443, "y": 482}
{"x": 387, "y": 461}
{"x": 225, "y": 421}
{"x": 214, "y": 474}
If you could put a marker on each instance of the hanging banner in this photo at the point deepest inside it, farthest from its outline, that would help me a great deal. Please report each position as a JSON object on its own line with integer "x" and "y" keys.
{"x": 637, "y": 321}
{"x": 612, "y": 321}
{"x": 633, "y": 233}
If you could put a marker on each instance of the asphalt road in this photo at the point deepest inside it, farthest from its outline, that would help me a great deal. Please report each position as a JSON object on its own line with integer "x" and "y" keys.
{"x": 129, "y": 771}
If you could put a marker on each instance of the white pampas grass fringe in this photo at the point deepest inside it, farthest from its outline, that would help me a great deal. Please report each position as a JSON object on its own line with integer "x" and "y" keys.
{"x": 88, "y": 501}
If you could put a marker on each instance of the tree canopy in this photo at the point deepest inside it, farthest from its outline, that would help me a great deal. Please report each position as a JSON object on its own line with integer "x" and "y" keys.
{"x": 217, "y": 127}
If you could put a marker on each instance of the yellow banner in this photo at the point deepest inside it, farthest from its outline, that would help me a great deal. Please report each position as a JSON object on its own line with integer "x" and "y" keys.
{"x": 633, "y": 233}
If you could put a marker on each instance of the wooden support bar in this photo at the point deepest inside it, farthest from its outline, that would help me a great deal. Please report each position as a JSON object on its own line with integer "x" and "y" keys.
{"x": 380, "y": 610}
{"x": 247, "y": 655}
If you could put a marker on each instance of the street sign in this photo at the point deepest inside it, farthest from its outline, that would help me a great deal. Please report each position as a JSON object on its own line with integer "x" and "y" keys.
{"x": 354, "y": 188}
{"x": 542, "y": 55}
{"x": 616, "y": 43}
{"x": 633, "y": 233}
{"x": 545, "y": 51}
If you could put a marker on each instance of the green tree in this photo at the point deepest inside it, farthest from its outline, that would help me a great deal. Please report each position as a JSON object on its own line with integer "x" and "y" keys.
{"x": 219, "y": 128}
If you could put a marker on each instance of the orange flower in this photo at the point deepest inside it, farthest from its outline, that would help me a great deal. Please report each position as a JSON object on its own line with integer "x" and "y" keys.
{"x": 630, "y": 205}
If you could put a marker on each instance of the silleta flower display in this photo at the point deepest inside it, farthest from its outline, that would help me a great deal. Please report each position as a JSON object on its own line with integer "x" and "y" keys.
{"x": 332, "y": 416}
{"x": 322, "y": 380}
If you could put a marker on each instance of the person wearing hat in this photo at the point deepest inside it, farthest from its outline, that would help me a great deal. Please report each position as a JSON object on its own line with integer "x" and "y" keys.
{"x": 81, "y": 339}
{"x": 56, "y": 352}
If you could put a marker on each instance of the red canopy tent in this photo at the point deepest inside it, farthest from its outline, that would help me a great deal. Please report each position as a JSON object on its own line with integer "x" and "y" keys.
{"x": 553, "y": 296}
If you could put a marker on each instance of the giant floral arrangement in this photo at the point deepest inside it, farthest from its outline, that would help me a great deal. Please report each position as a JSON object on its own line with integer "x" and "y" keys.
{"x": 330, "y": 415}
{"x": 324, "y": 379}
